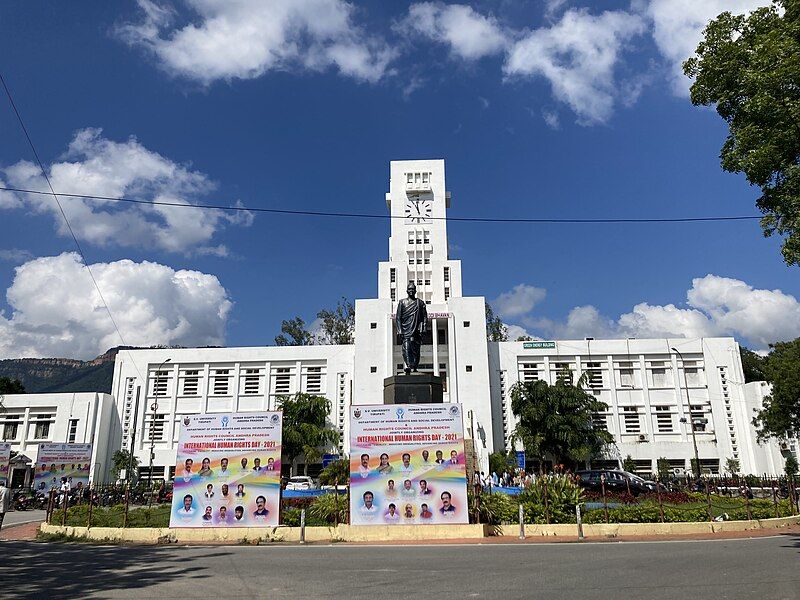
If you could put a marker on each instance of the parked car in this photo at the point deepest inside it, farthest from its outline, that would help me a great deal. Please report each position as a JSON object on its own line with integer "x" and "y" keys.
{"x": 300, "y": 482}
{"x": 616, "y": 481}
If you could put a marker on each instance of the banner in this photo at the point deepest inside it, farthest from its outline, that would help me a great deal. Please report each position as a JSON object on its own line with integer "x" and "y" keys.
{"x": 5, "y": 456}
{"x": 228, "y": 471}
{"x": 407, "y": 464}
{"x": 57, "y": 464}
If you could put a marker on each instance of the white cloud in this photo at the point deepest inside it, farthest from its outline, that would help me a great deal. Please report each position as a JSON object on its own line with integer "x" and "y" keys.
{"x": 579, "y": 56}
{"x": 469, "y": 34}
{"x": 518, "y": 301}
{"x": 56, "y": 310}
{"x": 96, "y": 165}
{"x": 715, "y": 306}
{"x": 551, "y": 118}
{"x": 243, "y": 39}
{"x": 678, "y": 27}
{"x": 15, "y": 255}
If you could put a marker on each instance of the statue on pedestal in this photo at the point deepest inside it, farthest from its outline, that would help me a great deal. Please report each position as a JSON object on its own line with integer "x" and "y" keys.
{"x": 411, "y": 321}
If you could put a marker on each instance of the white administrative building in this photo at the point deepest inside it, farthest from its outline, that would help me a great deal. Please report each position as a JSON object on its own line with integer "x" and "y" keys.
{"x": 652, "y": 387}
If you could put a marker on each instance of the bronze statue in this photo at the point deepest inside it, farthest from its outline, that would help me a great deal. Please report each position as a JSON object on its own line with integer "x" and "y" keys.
{"x": 411, "y": 321}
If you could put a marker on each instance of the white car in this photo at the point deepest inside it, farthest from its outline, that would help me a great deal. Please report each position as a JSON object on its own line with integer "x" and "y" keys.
{"x": 300, "y": 482}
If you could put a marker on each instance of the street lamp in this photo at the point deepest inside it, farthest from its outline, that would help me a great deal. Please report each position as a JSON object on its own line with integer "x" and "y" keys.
{"x": 691, "y": 420}
{"x": 154, "y": 408}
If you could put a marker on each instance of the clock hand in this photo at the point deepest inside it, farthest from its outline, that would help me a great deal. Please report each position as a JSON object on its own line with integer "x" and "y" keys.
{"x": 417, "y": 207}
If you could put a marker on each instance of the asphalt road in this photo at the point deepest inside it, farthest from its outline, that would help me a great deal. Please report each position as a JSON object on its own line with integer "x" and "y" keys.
{"x": 746, "y": 568}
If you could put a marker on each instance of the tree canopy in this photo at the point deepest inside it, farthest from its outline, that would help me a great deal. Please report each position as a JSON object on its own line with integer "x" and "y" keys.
{"x": 748, "y": 67}
{"x": 122, "y": 459}
{"x": 496, "y": 331}
{"x": 305, "y": 427}
{"x": 556, "y": 420}
{"x": 753, "y": 366}
{"x": 11, "y": 386}
{"x": 780, "y": 416}
{"x": 335, "y": 327}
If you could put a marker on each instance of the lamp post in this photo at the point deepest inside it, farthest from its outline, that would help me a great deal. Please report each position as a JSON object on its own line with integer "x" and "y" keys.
{"x": 691, "y": 419}
{"x": 154, "y": 408}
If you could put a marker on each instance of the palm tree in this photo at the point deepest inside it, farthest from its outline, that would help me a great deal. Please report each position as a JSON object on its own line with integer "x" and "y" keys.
{"x": 306, "y": 430}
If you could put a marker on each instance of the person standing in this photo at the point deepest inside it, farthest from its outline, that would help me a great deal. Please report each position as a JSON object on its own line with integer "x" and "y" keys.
{"x": 5, "y": 497}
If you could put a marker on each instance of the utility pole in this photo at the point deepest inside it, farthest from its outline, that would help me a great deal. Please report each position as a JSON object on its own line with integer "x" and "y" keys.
{"x": 691, "y": 419}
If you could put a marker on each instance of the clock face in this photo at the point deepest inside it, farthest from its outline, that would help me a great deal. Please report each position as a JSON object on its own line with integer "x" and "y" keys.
{"x": 418, "y": 210}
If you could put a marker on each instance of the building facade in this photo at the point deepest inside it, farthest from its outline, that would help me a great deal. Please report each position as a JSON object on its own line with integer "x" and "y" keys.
{"x": 80, "y": 418}
{"x": 653, "y": 388}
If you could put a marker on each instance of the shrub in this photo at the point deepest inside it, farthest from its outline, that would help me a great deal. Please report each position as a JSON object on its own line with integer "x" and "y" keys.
{"x": 562, "y": 493}
{"x": 498, "y": 509}
{"x": 325, "y": 508}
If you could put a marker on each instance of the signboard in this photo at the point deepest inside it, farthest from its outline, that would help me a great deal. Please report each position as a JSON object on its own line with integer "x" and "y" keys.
{"x": 5, "y": 456}
{"x": 59, "y": 463}
{"x": 228, "y": 471}
{"x": 407, "y": 464}
{"x": 533, "y": 345}
{"x": 328, "y": 459}
{"x": 521, "y": 459}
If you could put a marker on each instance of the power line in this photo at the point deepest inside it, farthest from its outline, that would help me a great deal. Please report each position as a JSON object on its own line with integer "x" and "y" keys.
{"x": 314, "y": 213}
{"x": 61, "y": 209}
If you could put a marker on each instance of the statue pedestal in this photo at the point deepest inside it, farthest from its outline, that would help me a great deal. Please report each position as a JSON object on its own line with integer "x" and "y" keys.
{"x": 415, "y": 388}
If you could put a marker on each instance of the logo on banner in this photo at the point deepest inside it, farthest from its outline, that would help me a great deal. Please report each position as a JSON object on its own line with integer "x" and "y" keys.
{"x": 186, "y": 421}
{"x": 275, "y": 418}
{"x": 225, "y": 422}
{"x": 400, "y": 412}
{"x": 357, "y": 413}
{"x": 454, "y": 410}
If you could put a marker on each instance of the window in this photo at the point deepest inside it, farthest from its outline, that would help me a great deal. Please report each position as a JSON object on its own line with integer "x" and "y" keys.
{"x": 446, "y": 293}
{"x": 313, "y": 379}
{"x": 594, "y": 375}
{"x": 11, "y": 428}
{"x": 630, "y": 416}
{"x": 72, "y": 432}
{"x": 469, "y": 368}
{"x": 373, "y": 325}
{"x": 599, "y": 422}
{"x": 528, "y": 372}
{"x": 664, "y": 423}
{"x": 42, "y": 427}
{"x": 693, "y": 376}
{"x": 563, "y": 372}
{"x": 659, "y": 377}
{"x": 393, "y": 294}
{"x": 220, "y": 382}
{"x": 373, "y": 369}
{"x": 626, "y": 378}
{"x": 427, "y": 260}
{"x": 252, "y": 382}
{"x": 392, "y": 275}
{"x": 154, "y": 427}
{"x": 466, "y": 323}
{"x": 281, "y": 380}
{"x": 160, "y": 382}
{"x": 191, "y": 383}
{"x": 447, "y": 273}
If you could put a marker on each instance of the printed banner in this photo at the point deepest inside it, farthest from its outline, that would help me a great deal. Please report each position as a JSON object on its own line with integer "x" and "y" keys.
{"x": 407, "y": 464}
{"x": 5, "y": 456}
{"x": 228, "y": 471}
{"x": 57, "y": 464}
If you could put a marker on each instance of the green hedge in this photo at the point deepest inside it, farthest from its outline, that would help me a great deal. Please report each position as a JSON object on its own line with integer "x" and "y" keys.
{"x": 113, "y": 516}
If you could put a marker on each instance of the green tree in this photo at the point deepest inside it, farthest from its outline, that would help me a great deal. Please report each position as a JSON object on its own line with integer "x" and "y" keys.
{"x": 496, "y": 331}
{"x": 662, "y": 467}
{"x": 556, "y": 420}
{"x": 11, "y": 386}
{"x": 753, "y": 366}
{"x": 524, "y": 338}
{"x": 780, "y": 415}
{"x": 305, "y": 428}
{"x": 294, "y": 333}
{"x": 629, "y": 464}
{"x": 336, "y": 473}
{"x": 122, "y": 460}
{"x": 337, "y": 325}
{"x": 790, "y": 467}
{"x": 748, "y": 67}
{"x": 502, "y": 462}
{"x": 732, "y": 466}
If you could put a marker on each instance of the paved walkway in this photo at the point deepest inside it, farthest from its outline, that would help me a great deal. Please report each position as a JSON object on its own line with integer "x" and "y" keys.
{"x": 25, "y": 531}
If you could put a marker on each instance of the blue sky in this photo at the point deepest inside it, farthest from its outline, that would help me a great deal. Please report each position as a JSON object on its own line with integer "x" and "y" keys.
{"x": 554, "y": 109}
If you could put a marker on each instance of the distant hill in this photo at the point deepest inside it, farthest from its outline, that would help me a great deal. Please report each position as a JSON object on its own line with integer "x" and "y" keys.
{"x": 40, "y": 375}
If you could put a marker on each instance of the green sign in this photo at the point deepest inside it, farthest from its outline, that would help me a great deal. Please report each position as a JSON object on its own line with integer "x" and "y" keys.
{"x": 530, "y": 345}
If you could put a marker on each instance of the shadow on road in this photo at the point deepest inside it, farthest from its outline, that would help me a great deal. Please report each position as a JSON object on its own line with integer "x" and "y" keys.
{"x": 793, "y": 540}
{"x": 35, "y": 569}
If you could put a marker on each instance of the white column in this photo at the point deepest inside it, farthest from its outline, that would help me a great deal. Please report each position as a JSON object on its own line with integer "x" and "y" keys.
{"x": 435, "y": 325}
{"x": 452, "y": 384}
